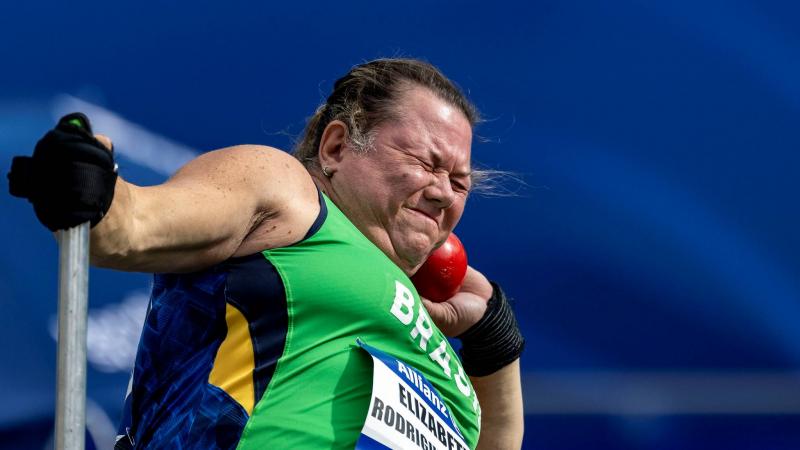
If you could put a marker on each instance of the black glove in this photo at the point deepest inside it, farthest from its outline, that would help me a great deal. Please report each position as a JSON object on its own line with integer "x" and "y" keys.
{"x": 71, "y": 177}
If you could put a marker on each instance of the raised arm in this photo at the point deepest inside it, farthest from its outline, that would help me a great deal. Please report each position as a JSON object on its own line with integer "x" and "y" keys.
{"x": 228, "y": 202}
{"x": 480, "y": 316}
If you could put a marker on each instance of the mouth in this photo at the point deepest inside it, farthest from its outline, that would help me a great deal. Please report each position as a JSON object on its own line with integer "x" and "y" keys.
{"x": 425, "y": 215}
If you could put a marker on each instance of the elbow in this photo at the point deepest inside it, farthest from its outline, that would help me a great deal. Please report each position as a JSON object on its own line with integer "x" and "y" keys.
{"x": 112, "y": 246}
{"x": 109, "y": 255}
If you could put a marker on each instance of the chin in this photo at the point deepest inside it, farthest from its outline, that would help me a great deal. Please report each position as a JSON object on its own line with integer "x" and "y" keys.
{"x": 414, "y": 247}
{"x": 411, "y": 267}
{"x": 413, "y": 258}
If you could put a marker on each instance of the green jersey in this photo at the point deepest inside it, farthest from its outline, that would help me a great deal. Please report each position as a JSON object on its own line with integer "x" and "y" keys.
{"x": 339, "y": 288}
{"x": 281, "y": 349}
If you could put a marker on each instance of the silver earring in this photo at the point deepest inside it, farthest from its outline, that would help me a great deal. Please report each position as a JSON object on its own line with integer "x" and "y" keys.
{"x": 326, "y": 172}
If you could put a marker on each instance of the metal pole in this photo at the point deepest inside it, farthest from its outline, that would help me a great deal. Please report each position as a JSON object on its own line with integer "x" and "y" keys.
{"x": 73, "y": 296}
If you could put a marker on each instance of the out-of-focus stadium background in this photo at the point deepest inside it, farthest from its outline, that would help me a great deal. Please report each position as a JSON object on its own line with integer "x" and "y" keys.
{"x": 653, "y": 254}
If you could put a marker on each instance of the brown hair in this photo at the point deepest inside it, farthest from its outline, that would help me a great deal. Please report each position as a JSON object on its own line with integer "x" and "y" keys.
{"x": 366, "y": 97}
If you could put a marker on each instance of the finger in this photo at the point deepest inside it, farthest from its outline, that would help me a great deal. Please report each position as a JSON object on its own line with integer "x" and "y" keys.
{"x": 103, "y": 139}
{"x": 429, "y": 305}
{"x": 443, "y": 314}
{"x": 438, "y": 311}
{"x": 476, "y": 283}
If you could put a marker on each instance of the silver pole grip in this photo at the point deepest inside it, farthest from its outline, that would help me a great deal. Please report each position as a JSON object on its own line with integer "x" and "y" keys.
{"x": 73, "y": 296}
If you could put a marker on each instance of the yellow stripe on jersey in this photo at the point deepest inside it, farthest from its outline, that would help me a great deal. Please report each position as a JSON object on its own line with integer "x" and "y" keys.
{"x": 235, "y": 363}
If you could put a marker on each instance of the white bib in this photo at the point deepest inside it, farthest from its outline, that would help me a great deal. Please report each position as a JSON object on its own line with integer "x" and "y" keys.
{"x": 405, "y": 411}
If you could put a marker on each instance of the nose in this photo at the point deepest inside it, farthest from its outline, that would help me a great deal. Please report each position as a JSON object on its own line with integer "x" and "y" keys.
{"x": 440, "y": 191}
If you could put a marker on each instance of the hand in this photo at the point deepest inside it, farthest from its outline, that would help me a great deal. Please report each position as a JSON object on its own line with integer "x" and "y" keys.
{"x": 71, "y": 177}
{"x": 466, "y": 308}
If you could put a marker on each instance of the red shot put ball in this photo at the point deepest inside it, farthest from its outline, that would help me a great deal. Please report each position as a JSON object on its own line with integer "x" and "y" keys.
{"x": 442, "y": 274}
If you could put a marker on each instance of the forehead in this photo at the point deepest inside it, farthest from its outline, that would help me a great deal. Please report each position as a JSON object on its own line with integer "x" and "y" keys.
{"x": 423, "y": 119}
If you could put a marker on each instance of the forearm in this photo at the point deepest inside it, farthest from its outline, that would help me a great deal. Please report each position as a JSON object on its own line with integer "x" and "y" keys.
{"x": 166, "y": 228}
{"x": 490, "y": 355}
{"x": 110, "y": 240}
{"x": 500, "y": 396}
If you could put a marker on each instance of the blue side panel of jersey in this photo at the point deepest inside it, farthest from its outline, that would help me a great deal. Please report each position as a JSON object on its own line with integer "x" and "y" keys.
{"x": 172, "y": 403}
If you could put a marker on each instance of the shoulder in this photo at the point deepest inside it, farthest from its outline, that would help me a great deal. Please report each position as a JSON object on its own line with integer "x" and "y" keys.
{"x": 260, "y": 173}
{"x": 244, "y": 169}
{"x": 267, "y": 185}
{"x": 243, "y": 160}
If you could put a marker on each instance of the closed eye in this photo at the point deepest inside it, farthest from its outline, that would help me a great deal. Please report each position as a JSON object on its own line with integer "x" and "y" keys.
{"x": 459, "y": 186}
{"x": 425, "y": 164}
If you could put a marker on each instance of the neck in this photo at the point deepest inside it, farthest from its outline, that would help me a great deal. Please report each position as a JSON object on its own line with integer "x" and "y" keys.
{"x": 324, "y": 184}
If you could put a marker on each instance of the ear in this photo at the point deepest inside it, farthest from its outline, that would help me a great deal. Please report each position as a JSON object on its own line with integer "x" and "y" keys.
{"x": 333, "y": 144}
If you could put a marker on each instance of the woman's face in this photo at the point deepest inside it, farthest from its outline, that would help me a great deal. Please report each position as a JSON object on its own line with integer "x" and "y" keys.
{"x": 408, "y": 193}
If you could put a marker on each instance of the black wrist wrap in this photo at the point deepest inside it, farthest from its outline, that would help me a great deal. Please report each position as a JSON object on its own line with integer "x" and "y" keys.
{"x": 495, "y": 341}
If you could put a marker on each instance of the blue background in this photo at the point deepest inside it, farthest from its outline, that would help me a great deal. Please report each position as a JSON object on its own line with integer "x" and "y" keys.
{"x": 655, "y": 233}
